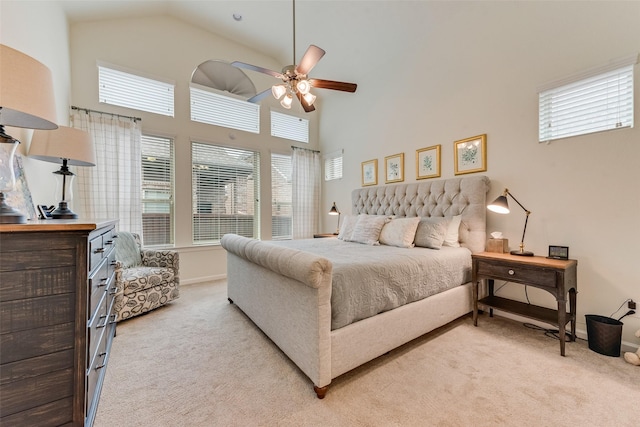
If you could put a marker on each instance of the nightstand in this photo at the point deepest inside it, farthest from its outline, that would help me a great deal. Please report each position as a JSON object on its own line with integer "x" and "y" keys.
{"x": 323, "y": 235}
{"x": 558, "y": 277}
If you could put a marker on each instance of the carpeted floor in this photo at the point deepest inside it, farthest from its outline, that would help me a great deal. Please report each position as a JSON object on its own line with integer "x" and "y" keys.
{"x": 200, "y": 362}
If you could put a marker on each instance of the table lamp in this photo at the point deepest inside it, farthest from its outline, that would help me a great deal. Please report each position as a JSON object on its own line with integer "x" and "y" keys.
{"x": 501, "y": 206}
{"x": 26, "y": 101}
{"x": 334, "y": 211}
{"x": 68, "y": 146}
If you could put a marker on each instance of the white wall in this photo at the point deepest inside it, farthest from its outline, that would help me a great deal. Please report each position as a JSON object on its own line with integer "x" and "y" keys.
{"x": 464, "y": 69}
{"x": 39, "y": 29}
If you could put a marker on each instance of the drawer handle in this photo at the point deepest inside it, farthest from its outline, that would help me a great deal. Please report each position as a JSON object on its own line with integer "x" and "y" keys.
{"x": 115, "y": 316}
{"x": 109, "y": 242}
{"x": 99, "y": 250}
{"x": 103, "y": 282}
{"x": 104, "y": 324}
{"x": 511, "y": 272}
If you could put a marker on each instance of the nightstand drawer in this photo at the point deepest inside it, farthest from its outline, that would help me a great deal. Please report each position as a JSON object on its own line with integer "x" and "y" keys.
{"x": 518, "y": 274}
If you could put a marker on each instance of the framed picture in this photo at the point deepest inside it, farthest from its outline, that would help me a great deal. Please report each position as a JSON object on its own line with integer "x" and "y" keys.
{"x": 394, "y": 168}
{"x": 470, "y": 155}
{"x": 370, "y": 172}
{"x": 428, "y": 162}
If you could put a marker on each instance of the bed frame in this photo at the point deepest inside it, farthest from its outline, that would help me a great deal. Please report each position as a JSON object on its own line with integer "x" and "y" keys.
{"x": 287, "y": 292}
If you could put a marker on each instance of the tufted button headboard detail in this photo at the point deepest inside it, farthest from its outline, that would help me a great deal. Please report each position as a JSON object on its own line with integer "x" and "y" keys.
{"x": 435, "y": 198}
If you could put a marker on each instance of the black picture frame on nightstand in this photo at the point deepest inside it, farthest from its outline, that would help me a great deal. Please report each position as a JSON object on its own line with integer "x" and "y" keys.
{"x": 558, "y": 252}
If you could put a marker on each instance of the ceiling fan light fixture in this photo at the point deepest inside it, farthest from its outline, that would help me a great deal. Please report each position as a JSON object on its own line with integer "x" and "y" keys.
{"x": 309, "y": 98}
{"x": 303, "y": 86}
{"x": 278, "y": 91}
{"x": 286, "y": 101}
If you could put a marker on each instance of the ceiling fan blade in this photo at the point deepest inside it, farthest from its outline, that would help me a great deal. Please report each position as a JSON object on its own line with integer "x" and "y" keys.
{"x": 329, "y": 84}
{"x": 307, "y": 108}
{"x": 246, "y": 66}
{"x": 310, "y": 59}
{"x": 259, "y": 97}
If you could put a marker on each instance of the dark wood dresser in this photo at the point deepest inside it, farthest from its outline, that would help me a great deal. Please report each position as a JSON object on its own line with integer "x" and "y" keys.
{"x": 56, "y": 321}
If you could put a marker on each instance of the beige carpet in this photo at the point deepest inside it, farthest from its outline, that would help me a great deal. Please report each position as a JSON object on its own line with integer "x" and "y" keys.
{"x": 200, "y": 362}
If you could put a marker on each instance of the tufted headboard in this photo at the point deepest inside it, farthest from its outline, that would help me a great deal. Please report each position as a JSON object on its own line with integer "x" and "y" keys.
{"x": 434, "y": 198}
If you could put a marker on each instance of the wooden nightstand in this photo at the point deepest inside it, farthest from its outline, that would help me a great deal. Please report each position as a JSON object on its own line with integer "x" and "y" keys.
{"x": 322, "y": 235}
{"x": 557, "y": 277}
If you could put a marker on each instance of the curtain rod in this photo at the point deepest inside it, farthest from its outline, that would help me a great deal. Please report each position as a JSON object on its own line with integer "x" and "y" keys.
{"x": 306, "y": 149}
{"x": 87, "y": 110}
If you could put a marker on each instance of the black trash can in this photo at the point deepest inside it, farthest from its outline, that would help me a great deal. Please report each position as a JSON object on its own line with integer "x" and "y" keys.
{"x": 604, "y": 334}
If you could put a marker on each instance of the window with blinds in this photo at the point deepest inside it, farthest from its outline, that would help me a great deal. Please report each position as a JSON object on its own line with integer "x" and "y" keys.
{"x": 117, "y": 87}
{"x": 281, "y": 191}
{"x": 157, "y": 190}
{"x": 289, "y": 127}
{"x": 333, "y": 165}
{"x": 595, "y": 101}
{"x": 217, "y": 109}
{"x": 226, "y": 189}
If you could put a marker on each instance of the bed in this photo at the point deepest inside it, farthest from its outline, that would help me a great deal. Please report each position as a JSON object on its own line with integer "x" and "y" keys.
{"x": 291, "y": 290}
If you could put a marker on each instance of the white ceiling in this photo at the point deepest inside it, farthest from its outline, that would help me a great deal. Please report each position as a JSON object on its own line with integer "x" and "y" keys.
{"x": 266, "y": 25}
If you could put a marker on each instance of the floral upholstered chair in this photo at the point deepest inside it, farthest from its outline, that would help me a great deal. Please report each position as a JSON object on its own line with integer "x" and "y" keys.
{"x": 145, "y": 279}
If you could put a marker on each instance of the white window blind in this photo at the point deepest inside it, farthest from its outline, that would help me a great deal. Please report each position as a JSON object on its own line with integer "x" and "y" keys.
{"x": 157, "y": 190}
{"x": 289, "y": 127}
{"x": 222, "y": 110}
{"x": 226, "y": 188}
{"x": 117, "y": 87}
{"x": 592, "y": 102}
{"x": 281, "y": 191}
{"x": 333, "y": 165}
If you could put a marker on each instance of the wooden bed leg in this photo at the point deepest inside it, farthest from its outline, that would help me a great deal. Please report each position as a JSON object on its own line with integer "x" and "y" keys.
{"x": 321, "y": 391}
{"x": 230, "y": 300}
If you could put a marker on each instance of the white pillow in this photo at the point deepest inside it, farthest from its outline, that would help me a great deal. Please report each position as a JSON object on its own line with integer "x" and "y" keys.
{"x": 346, "y": 230}
{"x": 451, "y": 239}
{"x": 399, "y": 232}
{"x": 367, "y": 229}
{"x": 431, "y": 232}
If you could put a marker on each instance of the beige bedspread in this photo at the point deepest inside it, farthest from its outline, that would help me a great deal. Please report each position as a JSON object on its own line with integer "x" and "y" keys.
{"x": 368, "y": 280}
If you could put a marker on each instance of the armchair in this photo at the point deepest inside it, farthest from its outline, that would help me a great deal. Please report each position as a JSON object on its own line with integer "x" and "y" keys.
{"x": 145, "y": 278}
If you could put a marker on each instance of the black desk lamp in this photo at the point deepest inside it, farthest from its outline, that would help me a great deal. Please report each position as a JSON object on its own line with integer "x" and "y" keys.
{"x": 334, "y": 211}
{"x": 501, "y": 206}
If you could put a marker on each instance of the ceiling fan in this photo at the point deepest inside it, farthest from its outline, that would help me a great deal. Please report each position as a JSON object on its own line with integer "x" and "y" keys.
{"x": 295, "y": 78}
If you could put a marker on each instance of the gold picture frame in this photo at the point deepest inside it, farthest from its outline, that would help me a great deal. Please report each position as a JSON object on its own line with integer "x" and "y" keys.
{"x": 428, "y": 162}
{"x": 370, "y": 172}
{"x": 470, "y": 155}
{"x": 394, "y": 168}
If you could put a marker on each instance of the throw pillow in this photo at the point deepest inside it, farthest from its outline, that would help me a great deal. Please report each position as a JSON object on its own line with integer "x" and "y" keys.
{"x": 127, "y": 250}
{"x": 451, "y": 238}
{"x": 367, "y": 229}
{"x": 431, "y": 232}
{"x": 399, "y": 232}
{"x": 346, "y": 230}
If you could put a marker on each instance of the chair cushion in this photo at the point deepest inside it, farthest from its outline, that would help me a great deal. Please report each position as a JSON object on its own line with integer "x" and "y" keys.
{"x": 137, "y": 279}
{"x": 127, "y": 250}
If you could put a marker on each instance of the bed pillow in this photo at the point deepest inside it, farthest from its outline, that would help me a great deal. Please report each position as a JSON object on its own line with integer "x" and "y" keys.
{"x": 431, "y": 232}
{"x": 346, "y": 230}
{"x": 451, "y": 239}
{"x": 367, "y": 229}
{"x": 399, "y": 232}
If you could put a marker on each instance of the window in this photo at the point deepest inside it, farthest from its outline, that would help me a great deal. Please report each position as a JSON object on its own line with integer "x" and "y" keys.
{"x": 595, "y": 101}
{"x": 117, "y": 87}
{"x": 157, "y": 190}
{"x": 289, "y": 127}
{"x": 281, "y": 191}
{"x": 226, "y": 187}
{"x": 333, "y": 165}
{"x": 217, "y": 109}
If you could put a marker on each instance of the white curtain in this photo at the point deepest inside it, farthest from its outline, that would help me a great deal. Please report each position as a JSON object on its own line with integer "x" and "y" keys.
{"x": 306, "y": 176}
{"x": 112, "y": 188}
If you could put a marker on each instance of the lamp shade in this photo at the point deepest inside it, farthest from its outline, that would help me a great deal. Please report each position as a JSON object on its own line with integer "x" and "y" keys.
{"x": 74, "y": 145}
{"x": 334, "y": 210}
{"x": 26, "y": 91}
{"x": 499, "y": 205}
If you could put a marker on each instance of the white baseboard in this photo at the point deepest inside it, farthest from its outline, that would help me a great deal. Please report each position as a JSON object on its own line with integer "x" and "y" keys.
{"x": 195, "y": 280}
{"x": 580, "y": 333}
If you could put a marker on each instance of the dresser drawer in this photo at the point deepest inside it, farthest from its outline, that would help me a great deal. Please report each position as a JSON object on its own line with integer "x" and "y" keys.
{"x": 96, "y": 328}
{"x": 96, "y": 252}
{"x": 518, "y": 274}
{"x": 98, "y": 284}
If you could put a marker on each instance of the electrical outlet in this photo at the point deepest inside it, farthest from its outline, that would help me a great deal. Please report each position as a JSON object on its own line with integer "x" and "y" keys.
{"x": 631, "y": 304}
